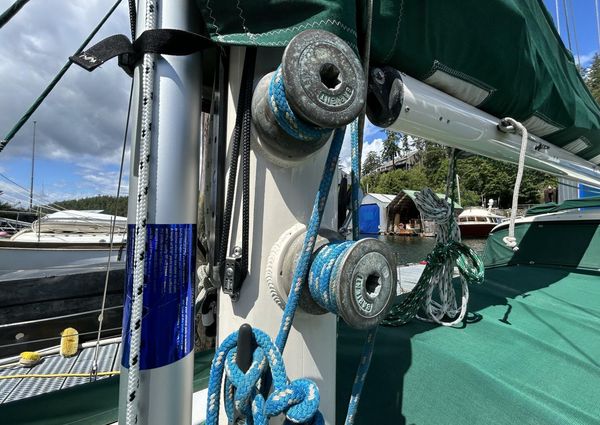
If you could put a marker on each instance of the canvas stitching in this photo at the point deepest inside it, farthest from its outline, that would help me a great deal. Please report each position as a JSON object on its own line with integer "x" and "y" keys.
{"x": 550, "y": 121}
{"x": 214, "y": 21}
{"x": 389, "y": 55}
{"x": 234, "y": 37}
{"x": 241, "y": 15}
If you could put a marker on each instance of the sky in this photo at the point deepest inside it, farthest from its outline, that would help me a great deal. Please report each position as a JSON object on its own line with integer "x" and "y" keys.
{"x": 80, "y": 126}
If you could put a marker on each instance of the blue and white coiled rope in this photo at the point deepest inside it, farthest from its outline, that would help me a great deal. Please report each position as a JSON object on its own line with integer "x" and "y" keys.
{"x": 286, "y": 118}
{"x": 298, "y": 399}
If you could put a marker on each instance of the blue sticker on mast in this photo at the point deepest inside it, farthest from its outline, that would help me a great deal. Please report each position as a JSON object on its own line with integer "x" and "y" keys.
{"x": 169, "y": 276}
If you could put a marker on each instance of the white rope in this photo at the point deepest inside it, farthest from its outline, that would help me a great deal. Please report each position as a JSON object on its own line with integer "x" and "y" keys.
{"x": 510, "y": 240}
{"x": 135, "y": 322}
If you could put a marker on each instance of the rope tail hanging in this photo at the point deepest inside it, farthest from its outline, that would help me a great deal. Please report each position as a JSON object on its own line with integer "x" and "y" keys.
{"x": 510, "y": 240}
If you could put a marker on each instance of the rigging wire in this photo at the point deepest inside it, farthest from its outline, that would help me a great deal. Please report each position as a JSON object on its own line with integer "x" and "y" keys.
{"x": 597, "y": 22}
{"x": 564, "y": 3}
{"x": 11, "y": 11}
{"x": 48, "y": 206}
{"x": 366, "y": 58}
{"x": 572, "y": 13}
{"x": 53, "y": 83}
{"x": 94, "y": 371}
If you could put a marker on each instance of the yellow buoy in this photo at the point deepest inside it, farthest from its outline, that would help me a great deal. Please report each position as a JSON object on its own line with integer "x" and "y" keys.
{"x": 69, "y": 342}
{"x": 30, "y": 358}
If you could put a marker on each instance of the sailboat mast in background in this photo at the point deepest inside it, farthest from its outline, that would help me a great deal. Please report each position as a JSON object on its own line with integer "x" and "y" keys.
{"x": 32, "y": 169}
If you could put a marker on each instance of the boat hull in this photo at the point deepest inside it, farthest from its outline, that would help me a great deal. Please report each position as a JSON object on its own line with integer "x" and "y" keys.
{"x": 35, "y": 306}
{"x": 32, "y": 256}
{"x": 476, "y": 230}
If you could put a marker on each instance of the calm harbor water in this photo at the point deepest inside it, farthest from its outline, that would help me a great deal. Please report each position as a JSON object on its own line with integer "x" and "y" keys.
{"x": 410, "y": 249}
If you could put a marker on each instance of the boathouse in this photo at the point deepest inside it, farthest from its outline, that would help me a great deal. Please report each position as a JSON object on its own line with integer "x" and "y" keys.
{"x": 403, "y": 217}
{"x": 373, "y": 213}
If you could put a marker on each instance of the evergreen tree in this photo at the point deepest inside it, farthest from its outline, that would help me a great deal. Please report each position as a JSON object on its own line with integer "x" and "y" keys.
{"x": 371, "y": 163}
{"x": 390, "y": 146}
{"x": 592, "y": 78}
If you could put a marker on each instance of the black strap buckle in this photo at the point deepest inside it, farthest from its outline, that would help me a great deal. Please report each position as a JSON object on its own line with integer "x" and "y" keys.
{"x": 162, "y": 41}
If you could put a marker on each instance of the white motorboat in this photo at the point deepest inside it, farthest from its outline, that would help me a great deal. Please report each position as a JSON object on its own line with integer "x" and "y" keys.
{"x": 65, "y": 238}
{"x": 478, "y": 222}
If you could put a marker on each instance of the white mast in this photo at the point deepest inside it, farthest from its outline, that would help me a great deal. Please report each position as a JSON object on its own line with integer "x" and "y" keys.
{"x": 32, "y": 169}
{"x": 558, "y": 16}
{"x": 597, "y": 22}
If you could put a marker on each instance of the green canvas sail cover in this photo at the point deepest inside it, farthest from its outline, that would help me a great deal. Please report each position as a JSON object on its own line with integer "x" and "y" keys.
{"x": 550, "y": 207}
{"x": 558, "y": 243}
{"x": 502, "y": 56}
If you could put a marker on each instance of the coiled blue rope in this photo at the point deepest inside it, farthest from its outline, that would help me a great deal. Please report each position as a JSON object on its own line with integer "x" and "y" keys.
{"x": 298, "y": 399}
{"x": 286, "y": 118}
{"x": 324, "y": 267}
{"x": 249, "y": 382}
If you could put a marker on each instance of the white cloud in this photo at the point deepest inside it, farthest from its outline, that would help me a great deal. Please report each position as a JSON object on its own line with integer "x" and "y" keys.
{"x": 586, "y": 59}
{"x": 375, "y": 145}
{"x": 85, "y": 112}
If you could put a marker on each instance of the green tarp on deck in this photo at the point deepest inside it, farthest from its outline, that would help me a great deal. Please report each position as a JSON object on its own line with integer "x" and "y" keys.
{"x": 531, "y": 359}
{"x": 551, "y": 207}
{"x": 507, "y": 51}
{"x": 567, "y": 244}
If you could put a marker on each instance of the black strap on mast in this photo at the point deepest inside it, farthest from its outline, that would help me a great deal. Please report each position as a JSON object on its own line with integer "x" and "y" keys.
{"x": 162, "y": 41}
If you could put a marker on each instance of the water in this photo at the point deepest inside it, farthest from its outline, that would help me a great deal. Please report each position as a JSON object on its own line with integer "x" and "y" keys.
{"x": 410, "y": 249}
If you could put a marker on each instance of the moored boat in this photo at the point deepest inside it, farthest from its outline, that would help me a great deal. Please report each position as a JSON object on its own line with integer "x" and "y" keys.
{"x": 477, "y": 222}
{"x": 67, "y": 238}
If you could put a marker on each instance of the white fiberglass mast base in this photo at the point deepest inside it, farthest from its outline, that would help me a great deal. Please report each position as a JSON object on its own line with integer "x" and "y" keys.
{"x": 280, "y": 198}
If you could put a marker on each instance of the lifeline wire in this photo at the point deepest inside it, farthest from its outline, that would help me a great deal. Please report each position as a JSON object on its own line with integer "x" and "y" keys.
{"x": 94, "y": 371}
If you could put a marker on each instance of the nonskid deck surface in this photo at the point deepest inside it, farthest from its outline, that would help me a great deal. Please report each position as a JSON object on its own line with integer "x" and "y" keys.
{"x": 20, "y": 388}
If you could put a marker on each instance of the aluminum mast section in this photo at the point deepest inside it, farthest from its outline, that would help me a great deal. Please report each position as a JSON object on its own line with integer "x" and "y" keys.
{"x": 166, "y": 353}
{"x": 402, "y": 103}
